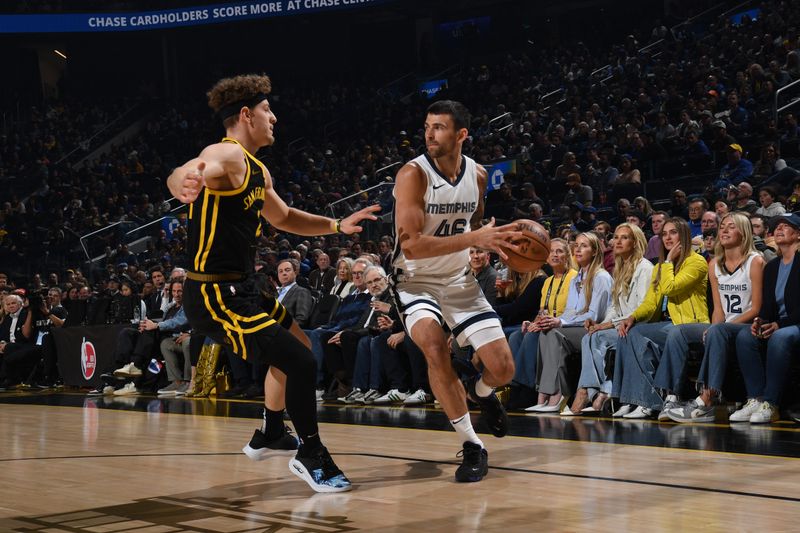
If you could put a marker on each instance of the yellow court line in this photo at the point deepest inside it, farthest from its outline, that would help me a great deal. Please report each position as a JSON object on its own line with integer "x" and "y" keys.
{"x": 438, "y": 431}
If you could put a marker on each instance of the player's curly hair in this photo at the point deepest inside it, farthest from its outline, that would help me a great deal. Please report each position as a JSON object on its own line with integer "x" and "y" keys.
{"x": 230, "y": 90}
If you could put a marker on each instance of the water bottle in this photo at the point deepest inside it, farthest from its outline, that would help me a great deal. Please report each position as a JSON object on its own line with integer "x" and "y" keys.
{"x": 137, "y": 314}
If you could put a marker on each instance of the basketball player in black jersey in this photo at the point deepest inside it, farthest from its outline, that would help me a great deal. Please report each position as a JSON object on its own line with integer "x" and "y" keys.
{"x": 229, "y": 190}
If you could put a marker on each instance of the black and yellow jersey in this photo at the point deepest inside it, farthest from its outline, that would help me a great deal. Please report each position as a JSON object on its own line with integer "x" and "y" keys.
{"x": 224, "y": 225}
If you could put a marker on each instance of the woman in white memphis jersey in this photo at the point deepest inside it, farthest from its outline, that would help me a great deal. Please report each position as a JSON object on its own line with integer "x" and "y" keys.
{"x": 439, "y": 205}
{"x": 736, "y": 274}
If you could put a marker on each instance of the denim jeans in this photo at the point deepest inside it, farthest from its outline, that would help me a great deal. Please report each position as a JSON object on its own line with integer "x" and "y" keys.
{"x": 672, "y": 368}
{"x": 719, "y": 340}
{"x": 593, "y": 361}
{"x": 780, "y": 348}
{"x": 317, "y": 336}
{"x": 638, "y": 356}
{"x": 367, "y": 372}
{"x": 524, "y": 349}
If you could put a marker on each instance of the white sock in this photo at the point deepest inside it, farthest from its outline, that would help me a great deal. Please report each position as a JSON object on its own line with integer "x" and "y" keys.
{"x": 463, "y": 427}
{"x": 482, "y": 389}
{"x": 699, "y": 401}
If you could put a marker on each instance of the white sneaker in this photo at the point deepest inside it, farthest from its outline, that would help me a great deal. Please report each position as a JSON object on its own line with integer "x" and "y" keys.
{"x": 671, "y": 402}
{"x": 128, "y": 371}
{"x": 393, "y": 396}
{"x": 320, "y": 392}
{"x": 639, "y": 413}
{"x": 417, "y": 398}
{"x": 129, "y": 388}
{"x": 622, "y": 411}
{"x": 766, "y": 414}
{"x": 354, "y": 396}
{"x": 744, "y": 414}
{"x": 370, "y": 396}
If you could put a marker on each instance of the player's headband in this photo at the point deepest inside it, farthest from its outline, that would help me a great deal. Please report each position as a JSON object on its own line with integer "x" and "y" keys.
{"x": 234, "y": 107}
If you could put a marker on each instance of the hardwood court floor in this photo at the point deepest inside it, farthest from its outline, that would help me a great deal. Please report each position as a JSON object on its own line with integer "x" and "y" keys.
{"x": 74, "y": 465}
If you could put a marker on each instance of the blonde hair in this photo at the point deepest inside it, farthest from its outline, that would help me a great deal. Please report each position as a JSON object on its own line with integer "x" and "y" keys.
{"x": 685, "y": 237}
{"x": 519, "y": 282}
{"x": 567, "y": 252}
{"x": 594, "y": 267}
{"x": 349, "y": 262}
{"x": 624, "y": 268}
{"x": 745, "y": 228}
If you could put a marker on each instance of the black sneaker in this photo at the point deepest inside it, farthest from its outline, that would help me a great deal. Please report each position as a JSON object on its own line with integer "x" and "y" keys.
{"x": 259, "y": 448}
{"x": 235, "y": 392}
{"x": 475, "y": 463}
{"x": 252, "y": 392}
{"x": 492, "y": 411}
{"x": 319, "y": 471}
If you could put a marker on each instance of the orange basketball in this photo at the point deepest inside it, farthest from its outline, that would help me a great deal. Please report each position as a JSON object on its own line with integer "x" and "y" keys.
{"x": 534, "y": 247}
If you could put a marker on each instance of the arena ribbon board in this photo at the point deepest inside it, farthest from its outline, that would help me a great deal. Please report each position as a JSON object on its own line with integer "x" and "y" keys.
{"x": 172, "y": 18}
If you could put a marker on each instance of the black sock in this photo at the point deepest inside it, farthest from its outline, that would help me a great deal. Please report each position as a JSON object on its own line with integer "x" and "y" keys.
{"x": 273, "y": 424}
{"x": 309, "y": 445}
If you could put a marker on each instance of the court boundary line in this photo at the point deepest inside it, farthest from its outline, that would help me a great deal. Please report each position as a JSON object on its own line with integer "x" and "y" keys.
{"x": 548, "y": 439}
{"x": 511, "y": 469}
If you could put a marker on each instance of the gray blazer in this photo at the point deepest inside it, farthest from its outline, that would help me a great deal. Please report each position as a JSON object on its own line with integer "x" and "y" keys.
{"x": 299, "y": 302}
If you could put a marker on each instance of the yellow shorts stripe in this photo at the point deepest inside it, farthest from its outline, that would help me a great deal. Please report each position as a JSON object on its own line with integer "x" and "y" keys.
{"x": 217, "y": 318}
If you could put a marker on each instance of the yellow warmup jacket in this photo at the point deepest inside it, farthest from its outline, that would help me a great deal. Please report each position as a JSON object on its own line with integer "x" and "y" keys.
{"x": 685, "y": 292}
{"x": 558, "y": 298}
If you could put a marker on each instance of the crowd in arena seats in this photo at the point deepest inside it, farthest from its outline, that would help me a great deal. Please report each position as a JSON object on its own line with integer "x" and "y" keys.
{"x": 603, "y": 170}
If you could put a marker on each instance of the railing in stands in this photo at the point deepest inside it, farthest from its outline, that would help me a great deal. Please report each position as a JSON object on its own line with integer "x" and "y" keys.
{"x": 500, "y": 117}
{"x": 121, "y": 233}
{"x": 84, "y": 145}
{"x": 795, "y": 101}
{"x": 690, "y": 20}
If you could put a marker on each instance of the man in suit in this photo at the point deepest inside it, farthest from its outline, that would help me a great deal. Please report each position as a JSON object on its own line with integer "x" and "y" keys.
{"x": 296, "y": 299}
{"x": 340, "y": 349}
{"x": 18, "y": 351}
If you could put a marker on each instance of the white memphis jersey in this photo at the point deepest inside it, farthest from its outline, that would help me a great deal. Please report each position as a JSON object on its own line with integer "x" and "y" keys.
{"x": 735, "y": 289}
{"x": 448, "y": 210}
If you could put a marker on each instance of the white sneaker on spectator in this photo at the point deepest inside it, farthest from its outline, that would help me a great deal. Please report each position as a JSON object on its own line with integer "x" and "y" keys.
{"x": 320, "y": 392}
{"x": 393, "y": 396}
{"x": 370, "y": 396}
{"x": 671, "y": 402}
{"x": 169, "y": 390}
{"x": 129, "y": 388}
{"x": 747, "y": 410}
{"x": 418, "y": 398}
{"x": 622, "y": 411}
{"x": 128, "y": 371}
{"x": 354, "y": 396}
{"x": 766, "y": 414}
{"x": 639, "y": 413}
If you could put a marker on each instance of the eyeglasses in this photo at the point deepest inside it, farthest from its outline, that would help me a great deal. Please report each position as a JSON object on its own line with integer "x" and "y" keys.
{"x": 357, "y": 273}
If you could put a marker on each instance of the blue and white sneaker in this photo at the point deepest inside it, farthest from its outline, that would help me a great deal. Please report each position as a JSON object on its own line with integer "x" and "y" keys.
{"x": 319, "y": 471}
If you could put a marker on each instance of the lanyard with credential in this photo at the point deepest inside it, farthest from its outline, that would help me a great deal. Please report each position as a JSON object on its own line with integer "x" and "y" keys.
{"x": 558, "y": 290}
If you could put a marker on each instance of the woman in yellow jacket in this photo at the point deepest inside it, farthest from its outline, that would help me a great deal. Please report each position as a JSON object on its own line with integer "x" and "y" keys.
{"x": 677, "y": 295}
{"x": 524, "y": 342}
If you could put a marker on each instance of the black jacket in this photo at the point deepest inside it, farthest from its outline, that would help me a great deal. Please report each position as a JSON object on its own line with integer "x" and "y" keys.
{"x": 769, "y": 307}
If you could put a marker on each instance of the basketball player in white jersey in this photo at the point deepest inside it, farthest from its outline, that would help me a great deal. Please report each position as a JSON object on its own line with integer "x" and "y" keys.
{"x": 439, "y": 205}
{"x": 736, "y": 274}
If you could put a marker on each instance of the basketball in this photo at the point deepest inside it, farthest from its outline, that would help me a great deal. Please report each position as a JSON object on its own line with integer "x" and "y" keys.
{"x": 534, "y": 247}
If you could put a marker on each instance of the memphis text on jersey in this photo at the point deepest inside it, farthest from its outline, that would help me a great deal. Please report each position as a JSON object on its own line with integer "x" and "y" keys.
{"x": 450, "y": 209}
